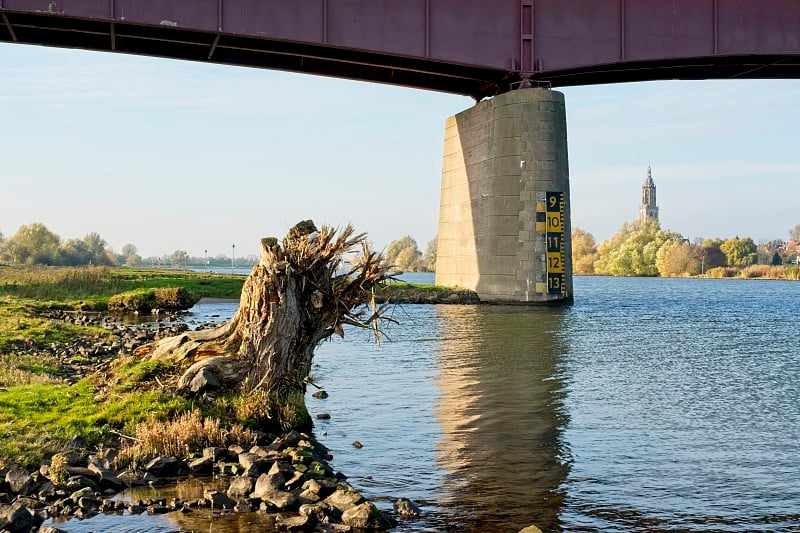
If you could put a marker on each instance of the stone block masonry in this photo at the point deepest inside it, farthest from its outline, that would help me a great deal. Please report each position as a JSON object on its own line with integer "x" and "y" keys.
{"x": 501, "y": 158}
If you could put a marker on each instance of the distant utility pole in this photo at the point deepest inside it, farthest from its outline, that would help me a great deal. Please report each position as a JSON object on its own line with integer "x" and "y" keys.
{"x": 233, "y": 256}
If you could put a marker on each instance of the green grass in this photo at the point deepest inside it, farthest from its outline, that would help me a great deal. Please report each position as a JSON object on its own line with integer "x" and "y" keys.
{"x": 402, "y": 285}
{"x": 38, "y": 413}
{"x": 90, "y": 288}
{"x": 37, "y": 420}
{"x": 20, "y": 327}
{"x": 139, "y": 373}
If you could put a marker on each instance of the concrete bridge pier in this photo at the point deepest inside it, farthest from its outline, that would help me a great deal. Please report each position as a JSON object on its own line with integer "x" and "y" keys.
{"x": 504, "y": 218}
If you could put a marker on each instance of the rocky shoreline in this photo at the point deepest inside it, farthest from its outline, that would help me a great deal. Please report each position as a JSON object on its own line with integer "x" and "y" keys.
{"x": 288, "y": 479}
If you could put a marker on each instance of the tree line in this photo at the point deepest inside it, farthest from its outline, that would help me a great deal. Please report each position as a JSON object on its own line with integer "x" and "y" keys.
{"x": 35, "y": 244}
{"x": 403, "y": 255}
{"x": 644, "y": 249}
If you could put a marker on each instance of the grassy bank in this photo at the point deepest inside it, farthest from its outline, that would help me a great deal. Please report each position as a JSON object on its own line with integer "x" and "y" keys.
{"x": 90, "y": 288}
{"x": 415, "y": 293}
{"x": 40, "y": 412}
{"x": 38, "y": 420}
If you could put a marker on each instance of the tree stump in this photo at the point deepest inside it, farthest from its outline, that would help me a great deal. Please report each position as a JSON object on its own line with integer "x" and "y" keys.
{"x": 299, "y": 293}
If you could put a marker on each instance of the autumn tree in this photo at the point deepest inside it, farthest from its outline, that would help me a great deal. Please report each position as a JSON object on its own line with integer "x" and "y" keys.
{"x": 794, "y": 234}
{"x": 33, "y": 244}
{"x": 739, "y": 252}
{"x": 677, "y": 258}
{"x": 429, "y": 255}
{"x": 129, "y": 250}
{"x": 179, "y": 257}
{"x": 632, "y": 251}
{"x": 408, "y": 259}
{"x": 91, "y": 249}
{"x": 710, "y": 254}
{"x": 397, "y": 247}
{"x": 584, "y": 252}
{"x": 295, "y": 297}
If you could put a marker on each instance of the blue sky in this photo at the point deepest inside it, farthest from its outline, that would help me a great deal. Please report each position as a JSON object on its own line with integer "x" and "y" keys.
{"x": 176, "y": 155}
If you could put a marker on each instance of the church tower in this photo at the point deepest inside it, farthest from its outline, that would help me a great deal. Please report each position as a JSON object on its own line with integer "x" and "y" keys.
{"x": 649, "y": 209}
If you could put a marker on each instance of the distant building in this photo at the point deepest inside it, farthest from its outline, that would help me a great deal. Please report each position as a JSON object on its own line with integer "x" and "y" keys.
{"x": 649, "y": 209}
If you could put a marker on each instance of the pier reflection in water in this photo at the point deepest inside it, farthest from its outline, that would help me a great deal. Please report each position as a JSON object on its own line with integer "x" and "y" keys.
{"x": 500, "y": 409}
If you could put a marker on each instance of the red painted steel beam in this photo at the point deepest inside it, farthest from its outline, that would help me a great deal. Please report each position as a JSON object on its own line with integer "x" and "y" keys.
{"x": 599, "y": 41}
{"x": 473, "y": 47}
{"x": 458, "y": 46}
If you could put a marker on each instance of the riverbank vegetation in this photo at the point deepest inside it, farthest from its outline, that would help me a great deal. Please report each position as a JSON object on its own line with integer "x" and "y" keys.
{"x": 45, "y": 337}
{"x": 93, "y": 288}
{"x": 644, "y": 249}
{"x": 404, "y": 255}
{"x": 77, "y": 399}
{"x": 35, "y": 244}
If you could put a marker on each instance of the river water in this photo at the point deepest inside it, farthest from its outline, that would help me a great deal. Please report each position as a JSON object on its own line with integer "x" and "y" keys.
{"x": 649, "y": 405}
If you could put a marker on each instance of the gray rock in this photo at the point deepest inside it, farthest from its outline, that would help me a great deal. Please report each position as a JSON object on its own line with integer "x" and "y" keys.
{"x": 294, "y": 523}
{"x": 321, "y": 394}
{"x": 320, "y": 511}
{"x": 107, "y": 479}
{"x": 19, "y": 481}
{"x": 257, "y": 468}
{"x": 287, "y": 440}
{"x": 219, "y": 500}
{"x": 264, "y": 484}
{"x": 167, "y": 467}
{"x": 246, "y": 459}
{"x": 89, "y": 503}
{"x": 307, "y": 496}
{"x": 344, "y": 498}
{"x": 204, "y": 381}
{"x": 47, "y": 490}
{"x": 77, "y": 443}
{"x": 203, "y": 466}
{"x": 51, "y": 529}
{"x": 323, "y": 416}
{"x": 79, "y": 482}
{"x": 365, "y": 516}
{"x": 85, "y": 492}
{"x": 405, "y": 508}
{"x": 16, "y": 518}
{"x": 312, "y": 486}
{"x": 131, "y": 479}
{"x": 240, "y": 486}
{"x": 266, "y": 453}
{"x": 280, "y": 499}
{"x": 217, "y": 454}
{"x": 31, "y": 503}
{"x": 295, "y": 481}
{"x": 275, "y": 479}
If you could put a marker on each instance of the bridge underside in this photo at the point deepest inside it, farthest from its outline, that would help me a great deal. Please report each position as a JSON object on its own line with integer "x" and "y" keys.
{"x": 242, "y": 50}
{"x": 168, "y": 41}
